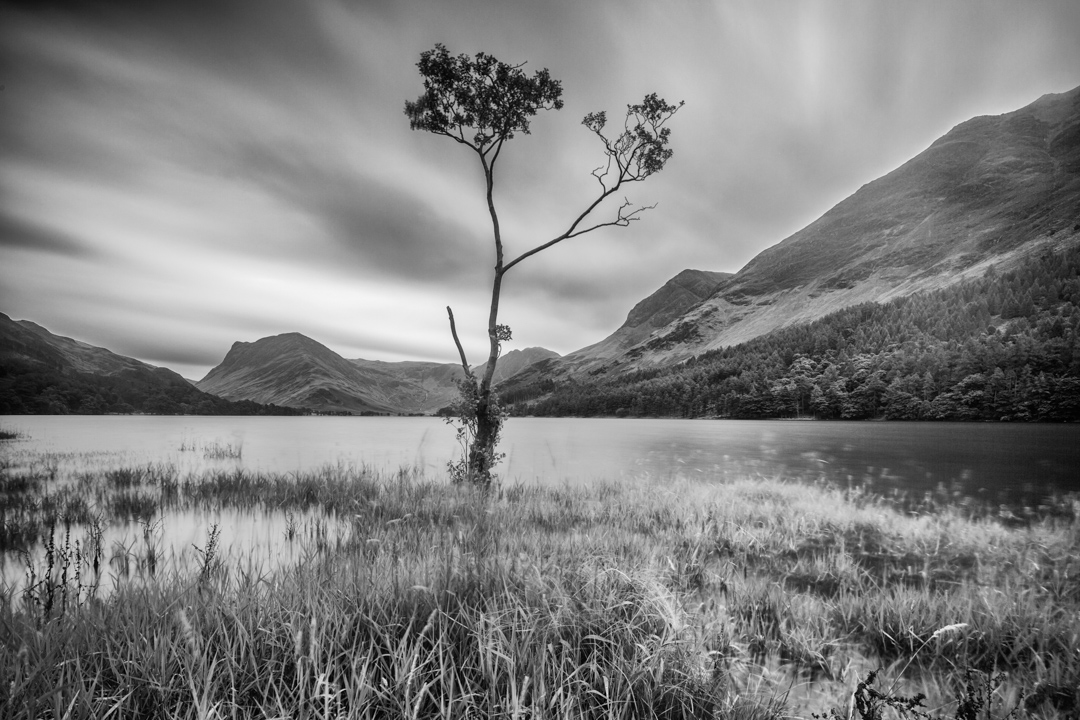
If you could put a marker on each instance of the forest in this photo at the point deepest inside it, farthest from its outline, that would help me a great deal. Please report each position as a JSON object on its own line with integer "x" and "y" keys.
{"x": 1002, "y": 347}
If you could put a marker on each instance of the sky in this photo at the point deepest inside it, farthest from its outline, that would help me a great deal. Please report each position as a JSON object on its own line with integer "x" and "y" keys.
{"x": 179, "y": 176}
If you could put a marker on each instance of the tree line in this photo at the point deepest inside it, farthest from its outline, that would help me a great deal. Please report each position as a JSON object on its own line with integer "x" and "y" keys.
{"x": 1002, "y": 347}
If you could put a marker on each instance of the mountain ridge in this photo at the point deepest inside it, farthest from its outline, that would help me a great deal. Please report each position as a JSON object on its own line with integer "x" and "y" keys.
{"x": 657, "y": 310}
{"x": 292, "y": 370}
{"x": 987, "y": 192}
{"x": 296, "y": 371}
{"x": 41, "y": 372}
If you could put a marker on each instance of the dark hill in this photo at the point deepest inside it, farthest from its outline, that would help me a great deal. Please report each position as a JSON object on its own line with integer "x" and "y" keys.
{"x": 43, "y": 373}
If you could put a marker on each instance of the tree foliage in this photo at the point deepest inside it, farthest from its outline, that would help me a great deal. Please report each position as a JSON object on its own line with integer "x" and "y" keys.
{"x": 479, "y": 102}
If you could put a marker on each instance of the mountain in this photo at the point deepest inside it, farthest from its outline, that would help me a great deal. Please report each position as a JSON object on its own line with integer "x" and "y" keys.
{"x": 515, "y": 361}
{"x": 1004, "y": 346}
{"x": 295, "y": 371}
{"x": 990, "y": 193}
{"x": 674, "y": 298}
{"x": 43, "y": 373}
{"x": 954, "y": 276}
{"x": 412, "y": 386}
{"x": 23, "y": 338}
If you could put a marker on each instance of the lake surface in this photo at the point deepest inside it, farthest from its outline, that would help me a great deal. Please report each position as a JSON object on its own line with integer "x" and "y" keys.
{"x": 1015, "y": 464}
{"x": 1008, "y": 461}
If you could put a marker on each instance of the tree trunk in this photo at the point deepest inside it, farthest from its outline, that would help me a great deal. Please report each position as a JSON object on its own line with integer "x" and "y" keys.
{"x": 488, "y": 421}
{"x": 482, "y": 449}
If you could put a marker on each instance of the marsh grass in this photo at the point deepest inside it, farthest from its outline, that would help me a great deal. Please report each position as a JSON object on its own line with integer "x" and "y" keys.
{"x": 752, "y": 599}
{"x": 63, "y": 582}
{"x": 213, "y": 450}
{"x": 223, "y": 451}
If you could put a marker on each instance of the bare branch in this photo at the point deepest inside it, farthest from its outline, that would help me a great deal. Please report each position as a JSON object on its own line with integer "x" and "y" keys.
{"x": 639, "y": 151}
{"x": 622, "y": 219}
{"x": 461, "y": 350}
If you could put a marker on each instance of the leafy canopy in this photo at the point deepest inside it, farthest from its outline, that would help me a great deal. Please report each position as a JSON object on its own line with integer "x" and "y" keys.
{"x": 480, "y": 102}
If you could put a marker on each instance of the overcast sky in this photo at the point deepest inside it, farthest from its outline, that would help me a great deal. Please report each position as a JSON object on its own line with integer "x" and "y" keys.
{"x": 177, "y": 176}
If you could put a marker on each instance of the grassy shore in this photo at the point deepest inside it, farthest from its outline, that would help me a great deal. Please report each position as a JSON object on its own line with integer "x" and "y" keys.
{"x": 754, "y": 599}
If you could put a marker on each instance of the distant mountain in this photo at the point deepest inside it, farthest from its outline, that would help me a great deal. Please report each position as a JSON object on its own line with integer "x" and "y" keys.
{"x": 412, "y": 386}
{"x": 296, "y": 371}
{"x": 990, "y": 193}
{"x": 515, "y": 361}
{"x": 43, "y": 373}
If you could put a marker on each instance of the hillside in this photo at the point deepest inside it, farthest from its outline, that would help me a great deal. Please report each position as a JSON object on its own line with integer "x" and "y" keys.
{"x": 43, "y": 373}
{"x": 1002, "y": 346}
{"x": 990, "y": 192}
{"x": 295, "y": 371}
{"x": 516, "y": 361}
{"x": 671, "y": 301}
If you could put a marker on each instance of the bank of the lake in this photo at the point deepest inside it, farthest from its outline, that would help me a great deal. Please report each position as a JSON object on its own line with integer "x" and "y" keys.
{"x": 746, "y": 599}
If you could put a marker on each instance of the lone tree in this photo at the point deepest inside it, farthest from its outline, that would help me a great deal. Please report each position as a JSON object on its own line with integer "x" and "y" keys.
{"x": 481, "y": 103}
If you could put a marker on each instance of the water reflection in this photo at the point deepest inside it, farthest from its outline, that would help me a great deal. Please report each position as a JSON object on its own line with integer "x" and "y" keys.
{"x": 101, "y": 517}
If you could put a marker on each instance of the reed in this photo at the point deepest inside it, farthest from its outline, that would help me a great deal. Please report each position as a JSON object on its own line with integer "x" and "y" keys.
{"x": 223, "y": 451}
{"x": 751, "y": 599}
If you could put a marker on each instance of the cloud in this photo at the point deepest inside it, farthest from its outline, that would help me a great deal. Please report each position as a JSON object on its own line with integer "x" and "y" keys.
{"x": 18, "y": 234}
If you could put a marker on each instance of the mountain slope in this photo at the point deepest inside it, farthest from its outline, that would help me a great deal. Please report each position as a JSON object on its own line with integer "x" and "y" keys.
{"x": 70, "y": 353}
{"x": 515, "y": 361}
{"x": 988, "y": 193}
{"x": 1000, "y": 347}
{"x": 674, "y": 298}
{"x": 295, "y": 371}
{"x": 412, "y": 386}
{"x": 43, "y": 373}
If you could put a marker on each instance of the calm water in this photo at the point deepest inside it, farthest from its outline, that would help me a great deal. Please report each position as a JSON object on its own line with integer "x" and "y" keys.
{"x": 999, "y": 463}
{"x": 988, "y": 459}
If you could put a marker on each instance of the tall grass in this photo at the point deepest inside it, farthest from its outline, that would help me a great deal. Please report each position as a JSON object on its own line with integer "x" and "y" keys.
{"x": 754, "y": 599}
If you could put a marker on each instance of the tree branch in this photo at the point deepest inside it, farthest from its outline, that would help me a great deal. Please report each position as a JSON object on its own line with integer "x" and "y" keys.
{"x": 622, "y": 219}
{"x": 461, "y": 350}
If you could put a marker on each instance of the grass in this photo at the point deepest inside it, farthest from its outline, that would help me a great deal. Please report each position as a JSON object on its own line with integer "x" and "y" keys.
{"x": 752, "y": 599}
{"x": 215, "y": 450}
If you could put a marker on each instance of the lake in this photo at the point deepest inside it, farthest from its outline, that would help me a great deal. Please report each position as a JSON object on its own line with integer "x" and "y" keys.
{"x": 1007, "y": 461}
{"x": 999, "y": 463}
